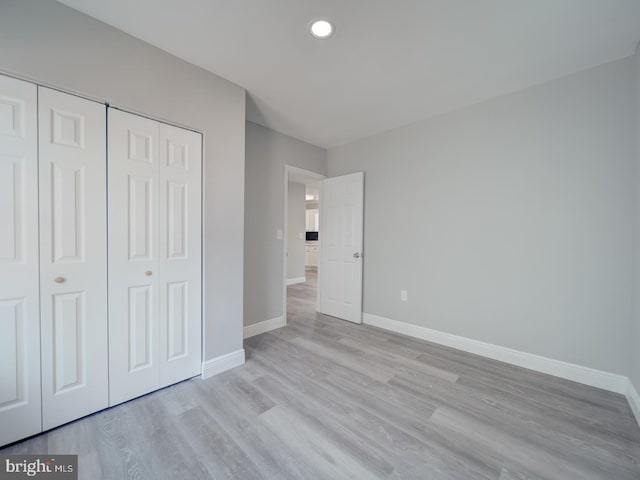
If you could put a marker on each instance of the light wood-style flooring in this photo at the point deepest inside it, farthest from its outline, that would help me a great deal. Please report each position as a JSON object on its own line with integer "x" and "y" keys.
{"x": 326, "y": 399}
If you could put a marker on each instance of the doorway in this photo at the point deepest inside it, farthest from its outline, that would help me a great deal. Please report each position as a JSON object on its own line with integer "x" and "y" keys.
{"x": 302, "y": 246}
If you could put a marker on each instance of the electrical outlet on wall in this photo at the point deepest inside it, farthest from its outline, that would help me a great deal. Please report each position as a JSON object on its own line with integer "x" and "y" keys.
{"x": 301, "y": 236}
{"x": 403, "y": 295}
{"x": 279, "y": 234}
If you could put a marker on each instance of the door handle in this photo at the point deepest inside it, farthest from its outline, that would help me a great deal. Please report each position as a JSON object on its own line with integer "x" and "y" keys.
{"x": 356, "y": 255}
{"x": 59, "y": 279}
{"x": 148, "y": 273}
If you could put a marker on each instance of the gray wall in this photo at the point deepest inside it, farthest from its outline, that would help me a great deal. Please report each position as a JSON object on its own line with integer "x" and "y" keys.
{"x": 50, "y": 43}
{"x": 510, "y": 221}
{"x": 267, "y": 152}
{"x": 296, "y": 227}
{"x": 634, "y": 371}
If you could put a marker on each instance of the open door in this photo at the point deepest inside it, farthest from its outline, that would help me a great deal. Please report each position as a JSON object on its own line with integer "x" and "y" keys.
{"x": 341, "y": 247}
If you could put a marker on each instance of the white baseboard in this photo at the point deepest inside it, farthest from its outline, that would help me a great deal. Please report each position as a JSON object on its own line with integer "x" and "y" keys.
{"x": 293, "y": 281}
{"x": 634, "y": 400}
{"x": 222, "y": 363}
{"x": 262, "y": 327}
{"x": 577, "y": 373}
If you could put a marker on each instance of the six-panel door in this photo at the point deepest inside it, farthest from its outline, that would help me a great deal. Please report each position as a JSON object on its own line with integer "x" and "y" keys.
{"x": 180, "y": 254}
{"x": 20, "y": 414}
{"x": 134, "y": 249}
{"x": 73, "y": 256}
{"x": 342, "y": 232}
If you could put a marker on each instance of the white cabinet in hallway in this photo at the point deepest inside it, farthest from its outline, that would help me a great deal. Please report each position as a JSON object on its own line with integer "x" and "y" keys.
{"x": 312, "y": 219}
{"x": 20, "y": 408}
{"x": 73, "y": 249}
{"x": 311, "y": 253}
{"x": 154, "y": 255}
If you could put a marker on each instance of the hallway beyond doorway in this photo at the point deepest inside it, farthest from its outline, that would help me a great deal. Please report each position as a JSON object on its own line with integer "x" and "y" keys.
{"x": 302, "y": 297}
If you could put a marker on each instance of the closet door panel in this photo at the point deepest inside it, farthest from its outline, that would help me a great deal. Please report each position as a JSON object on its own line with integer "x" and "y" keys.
{"x": 180, "y": 253}
{"x": 20, "y": 407}
{"x": 73, "y": 265}
{"x": 134, "y": 253}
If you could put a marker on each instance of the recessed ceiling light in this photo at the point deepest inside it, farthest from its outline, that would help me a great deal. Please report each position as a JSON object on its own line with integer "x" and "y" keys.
{"x": 321, "y": 28}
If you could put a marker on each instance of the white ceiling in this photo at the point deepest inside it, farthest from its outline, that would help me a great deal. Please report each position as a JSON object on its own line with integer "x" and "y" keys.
{"x": 390, "y": 62}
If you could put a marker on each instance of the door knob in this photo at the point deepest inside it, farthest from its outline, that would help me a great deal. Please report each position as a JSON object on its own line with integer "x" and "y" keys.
{"x": 148, "y": 273}
{"x": 356, "y": 255}
{"x": 59, "y": 279}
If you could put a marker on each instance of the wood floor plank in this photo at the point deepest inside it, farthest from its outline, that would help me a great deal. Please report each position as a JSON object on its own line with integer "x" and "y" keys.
{"x": 571, "y": 391}
{"x": 609, "y": 418}
{"x": 336, "y": 421}
{"x": 534, "y": 450}
{"x": 313, "y": 447}
{"x": 240, "y": 421}
{"x": 395, "y": 362}
{"x": 510, "y": 472}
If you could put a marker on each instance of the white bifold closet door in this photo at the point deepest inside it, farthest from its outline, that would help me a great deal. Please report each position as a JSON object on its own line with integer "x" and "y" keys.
{"x": 20, "y": 413}
{"x": 73, "y": 256}
{"x": 180, "y": 254}
{"x": 154, "y": 255}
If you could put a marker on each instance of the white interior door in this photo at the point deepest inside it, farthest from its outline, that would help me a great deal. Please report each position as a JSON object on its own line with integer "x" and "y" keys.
{"x": 73, "y": 264}
{"x": 20, "y": 413}
{"x": 180, "y": 254}
{"x": 341, "y": 254}
{"x": 134, "y": 252}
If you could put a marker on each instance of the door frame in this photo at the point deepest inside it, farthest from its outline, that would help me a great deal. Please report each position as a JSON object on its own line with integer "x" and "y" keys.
{"x": 288, "y": 170}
